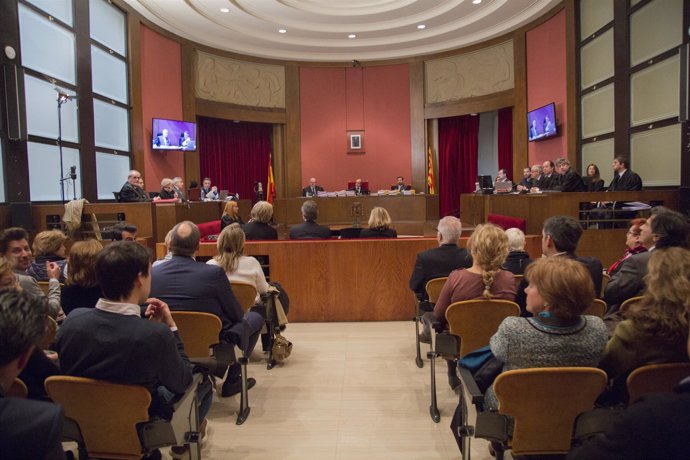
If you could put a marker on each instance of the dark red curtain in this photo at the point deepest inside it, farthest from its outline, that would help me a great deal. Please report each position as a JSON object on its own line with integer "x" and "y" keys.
{"x": 457, "y": 156}
{"x": 505, "y": 142}
{"x": 234, "y": 155}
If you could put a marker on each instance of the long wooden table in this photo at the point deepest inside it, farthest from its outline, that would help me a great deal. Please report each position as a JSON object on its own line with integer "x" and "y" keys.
{"x": 344, "y": 280}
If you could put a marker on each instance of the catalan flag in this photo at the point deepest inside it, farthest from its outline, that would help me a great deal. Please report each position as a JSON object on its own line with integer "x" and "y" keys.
{"x": 270, "y": 183}
{"x": 430, "y": 172}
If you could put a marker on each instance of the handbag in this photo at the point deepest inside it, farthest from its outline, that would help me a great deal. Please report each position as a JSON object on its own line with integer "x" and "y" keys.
{"x": 483, "y": 365}
{"x": 282, "y": 348}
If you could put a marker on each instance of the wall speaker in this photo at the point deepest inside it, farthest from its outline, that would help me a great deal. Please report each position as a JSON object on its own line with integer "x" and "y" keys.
{"x": 12, "y": 75}
{"x": 21, "y": 215}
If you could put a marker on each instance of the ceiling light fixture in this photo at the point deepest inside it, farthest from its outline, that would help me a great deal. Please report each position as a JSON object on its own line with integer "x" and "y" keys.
{"x": 421, "y": 26}
{"x": 225, "y": 10}
{"x": 352, "y": 36}
{"x": 282, "y": 31}
{"x": 476, "y": 2}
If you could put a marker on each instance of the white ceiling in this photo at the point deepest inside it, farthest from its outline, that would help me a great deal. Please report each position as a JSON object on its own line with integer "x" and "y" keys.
{"x": 317, "y": 30}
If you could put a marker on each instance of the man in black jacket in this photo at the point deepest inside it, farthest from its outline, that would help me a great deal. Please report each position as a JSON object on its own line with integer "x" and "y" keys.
{"x": 309, "y": 229}
{"x": 131, "y": 192}
{"x": 623, "y": 179}
{"x": 312, "y": 189}
{"x": 569, "y": 180}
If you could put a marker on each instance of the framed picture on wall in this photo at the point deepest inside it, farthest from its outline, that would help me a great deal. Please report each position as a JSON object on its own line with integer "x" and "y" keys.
{"x": 355, "y": 142}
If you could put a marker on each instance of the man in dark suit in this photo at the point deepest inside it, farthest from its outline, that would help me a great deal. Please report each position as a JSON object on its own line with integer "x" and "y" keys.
{"x": 131, "y": 192}
{"x": 440, "y": 261}
{"x": 550, "y": 178}
{"x": 178, "y": 187}
{"x": 535, "y": 181}
{"x": 28, "y": 428}
{"x": 312, "y": 189}
{"x": 359, "y": 188}
{"x": 623, "y": 178}
{"x": 187, "y": 285}
{"x": 569, "y": 180}
{"x": 309, "y": 229}
{"x": 400, "y": 185}
{"x": 258, "y": 227}
{"x": 162, "y": 140}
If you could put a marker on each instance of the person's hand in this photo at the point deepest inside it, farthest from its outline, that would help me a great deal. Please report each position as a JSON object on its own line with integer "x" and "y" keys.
{"x": 520, "y": 188}
{"x": 156, "y": 198}
{"x": 214, "y": 189}
{"x": 53, "y": 270}
{"x": 157, "y": 310}
{"x": 534, "y": 190}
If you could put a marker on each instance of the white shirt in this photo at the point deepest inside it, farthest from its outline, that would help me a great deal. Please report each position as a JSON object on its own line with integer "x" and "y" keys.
{"x": 248, "y": 271}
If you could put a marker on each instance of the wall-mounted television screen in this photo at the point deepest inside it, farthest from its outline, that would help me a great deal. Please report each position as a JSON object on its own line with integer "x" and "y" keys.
{"x": 173, "y": 135}
{"x": 541, "y": 123}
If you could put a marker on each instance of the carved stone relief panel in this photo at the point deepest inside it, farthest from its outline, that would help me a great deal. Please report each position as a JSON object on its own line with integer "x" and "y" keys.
{"x": 486, "y": 71}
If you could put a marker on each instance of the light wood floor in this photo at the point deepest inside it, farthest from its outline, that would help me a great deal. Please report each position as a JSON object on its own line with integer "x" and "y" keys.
{"x": 349, "y": 391}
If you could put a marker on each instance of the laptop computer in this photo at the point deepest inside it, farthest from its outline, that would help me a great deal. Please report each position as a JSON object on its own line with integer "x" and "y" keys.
{"x": 503, "y": 187}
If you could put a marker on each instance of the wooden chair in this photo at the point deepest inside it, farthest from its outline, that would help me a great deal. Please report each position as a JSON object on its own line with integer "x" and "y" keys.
{"x": 245, "y": 294}
{"x": 433, "y": 290}
{"x": 655, "y": 378}
{"x": 17, "y": 389}
{"x": 596, "y": 308}
{"x": 471, "y": 323}
{"x": 625, "y": 305}
{"x": 518, "y": 280}
{"x": 49, "y": 336}
{"x": 113, "y": 419}
{"x": 45, "y": 284}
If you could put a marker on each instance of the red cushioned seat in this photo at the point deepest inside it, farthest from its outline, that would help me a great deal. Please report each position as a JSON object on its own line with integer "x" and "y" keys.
{"x": 506, "y": 222}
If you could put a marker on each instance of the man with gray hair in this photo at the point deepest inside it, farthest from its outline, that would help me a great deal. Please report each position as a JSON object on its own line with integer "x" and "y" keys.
{"x": 569, "y": 180}
{"x": 309, "y": 229}
{"x": 439, "y": 262}
{"x": 178, "y": 187}
{"x": 131, "y": 192}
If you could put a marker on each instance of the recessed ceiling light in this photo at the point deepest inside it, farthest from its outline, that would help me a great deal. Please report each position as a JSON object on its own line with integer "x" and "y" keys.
{"x": 421, "y": 26}
{"x": 282, "y": 31}
{"x": 476, "y": 2}
{"x": 225, "y": 10}
{"x": 352, "y": 36}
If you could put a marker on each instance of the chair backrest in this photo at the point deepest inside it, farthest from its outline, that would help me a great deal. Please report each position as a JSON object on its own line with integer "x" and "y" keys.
{"x": 433, "y": 288}
{"x": 245, "y": 294}
{"x": 625, "y": 305}
{"x": 117, "y": 196}
{"x": 655, "y": 378}
{"x": 198, "y": 331}
{"x": 44, "y": 286}
{"x": 518, "y": 280}
{"x": 475, "y": 321}
{"x": 545, "y": 403}
{"x": 107, "y": 413}
{"x": 17, "y": 389}
{"x": 604, "y": 281}
{"x": 596, "y": 308}
{"x": 49, "y": 336}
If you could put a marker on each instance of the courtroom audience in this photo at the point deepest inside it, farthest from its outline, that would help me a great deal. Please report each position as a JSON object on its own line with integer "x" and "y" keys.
{"x": 656, "y": 327}
{"x": 81, "y": 289}
{"x": 28, "y": 429}
{"x": 633, "y": 243}
{"x": 309, "y": 229}
{"x": 557, "y": 335}
{"x": 258, "y": 227}
{"x": 594, "y": 181}
{"x": 439, "y": 262}
{"x": 48, "y": 246}
{"x": 231, "y": 215}
{"x": 379, "y": 225}
{"x": 518, "y": 259}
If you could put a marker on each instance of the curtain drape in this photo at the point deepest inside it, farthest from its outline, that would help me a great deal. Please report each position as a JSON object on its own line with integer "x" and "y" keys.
{"x": 457, "y": 153}
{"x": 234, "y": 155}
{"x": 505, "y": 142}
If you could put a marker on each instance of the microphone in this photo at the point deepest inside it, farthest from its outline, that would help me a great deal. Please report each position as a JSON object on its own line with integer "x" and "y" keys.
{"x": 73, "y": 172}
{"x": 260, "y": 188}
{"x": 62, "y": 96}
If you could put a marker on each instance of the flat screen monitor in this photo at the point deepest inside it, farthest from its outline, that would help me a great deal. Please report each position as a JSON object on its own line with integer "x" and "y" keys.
{"x": 173, "y": 135}
{"x": 541, "y": 123}
{"x": 486, "y": 183}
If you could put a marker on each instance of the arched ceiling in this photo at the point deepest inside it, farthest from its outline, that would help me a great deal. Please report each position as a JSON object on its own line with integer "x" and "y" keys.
{"x": 319, "y": 30}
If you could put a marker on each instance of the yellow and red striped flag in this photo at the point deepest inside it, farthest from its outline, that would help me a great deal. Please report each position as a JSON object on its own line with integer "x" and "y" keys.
{"x": 270, "y": 184}
{"x": 430, "y": 172}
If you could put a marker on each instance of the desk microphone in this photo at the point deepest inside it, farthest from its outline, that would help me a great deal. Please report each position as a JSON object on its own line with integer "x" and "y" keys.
{"x": 260, "y": 189}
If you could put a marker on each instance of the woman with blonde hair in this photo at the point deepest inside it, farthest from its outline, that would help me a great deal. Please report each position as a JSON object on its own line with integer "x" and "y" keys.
{"x": 656, "y": 328}
{"x": 231, "y": 215}
{"x": 8, "y": 280}
{"x": 48, "y": 246}
{"x": 379, "y": 225}
{"x": 258, "y": 227}
{"x": 167, "y": 190}
{"x": 81, "y": 289}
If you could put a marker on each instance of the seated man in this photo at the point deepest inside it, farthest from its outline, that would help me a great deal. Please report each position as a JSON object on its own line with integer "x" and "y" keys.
{"x": 569, "y": 180}
{"x": 309, "y": 229}
{"x": 29, "y": 429}
{"x": 209, "y": 192}
{"x": 178, "y": 187}
{"x": 113, "y": 343}
{"x": 400, "y": 185}
{"x": 14, "y": 246}
{"x": 359, "y": 188}
{"x": 131, "y": 192}
{"x": 123, "y": 232}
{"x": 439, "y": 262}
{"x": 312, "y": 189}
{"x": 188, "y": 285}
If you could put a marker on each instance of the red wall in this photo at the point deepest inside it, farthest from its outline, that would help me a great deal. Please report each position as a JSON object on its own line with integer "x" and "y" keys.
{"x": 161, "y": 97}
{"x": 546, "y": 82}
{"x": 327, "y": 109}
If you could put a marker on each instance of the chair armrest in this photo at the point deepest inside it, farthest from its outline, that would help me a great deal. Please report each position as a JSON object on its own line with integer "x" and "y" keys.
{"x": 470, "y": 388}
{"x": 492, "y": 426}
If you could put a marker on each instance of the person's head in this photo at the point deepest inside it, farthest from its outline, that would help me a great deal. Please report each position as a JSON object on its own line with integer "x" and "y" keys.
{"x": 185, "y": 239}
{"x": 167, "y": 184}
{"x": 400, "y": 180}
{"x": 185, "y": 134}
{"x": 548, "y": 167}
{"x": 123, "y": 270}
{"x": 23, "y": 322}
{"x": 207, "y": 182}
{"x": 312, "y": 182}
{"x": 231, "y": 209}
{"x": 14, "y": 246}
{"x": 124, "y": 231}
{"x": 516, "y": 239}
{"x": 141, "y": 183}
{"x": 526, "y": 172}
{"x": 632, "y": 238}
{"x": 546, "y": 120}
{"x": 620, "y": 163}
{"x": 133, "y": 177}
{"x": 230, "y": 246}
{"x": 82, "y": 263}
{"x": 562, "y": 165}
{"x": 168, "y": 239}
{"x": 488, "y": 246}
{"x": 534, "y": 123}
{"x": 449, "y": 230}
{"x": 593, "y": 171}
{"x": 665, "y": 228}
{"x": 560, "y": 234}
{"x": 8, "y": 280}
{"x": 50, "y": 242}
{"x": 165, "y": 133}
{"x": 502, "y": 174}
{"x": 665, "y": 305}
{"x": 358, "y": 183}
{"x": 536, "y": 171}
{"x": 379, "y": 218}
{"x": 262, "y": 212}
{"x": 178, "y": 182}
{"x": 559, "y": 285}
{"x": 310, "y": 210}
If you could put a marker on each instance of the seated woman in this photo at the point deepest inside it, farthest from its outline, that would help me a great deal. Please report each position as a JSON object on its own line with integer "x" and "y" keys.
{"x": 81, "y": 289}
{"x": 559, "y": 290}
{"x": 595, "y": 183}
{"x": 48, "y": 246}
{"x": 231, "y": 215}
{"x": 656, "y": 328}
{"x": 167, "y": 190}
{"x": 518, "y": 259}
{"x": 632, "y": 241}
{"x": 485, "y": 279}
{"x": 258, "y": 227}
{"x": 379, "y": 225}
